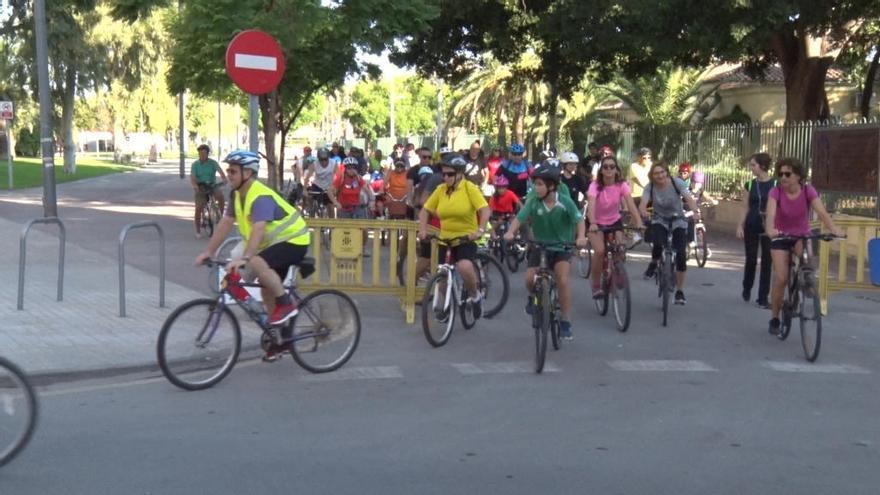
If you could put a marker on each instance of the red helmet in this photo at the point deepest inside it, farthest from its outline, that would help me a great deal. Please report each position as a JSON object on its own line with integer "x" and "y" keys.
{"x": 307, "y": 149}
{"x": 606, "y": 150}
{"x": 684, "y": 167}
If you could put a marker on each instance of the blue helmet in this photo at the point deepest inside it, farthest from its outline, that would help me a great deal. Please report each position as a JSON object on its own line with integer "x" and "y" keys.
{"x": 517, "y": 149}
{"x": 247, "y": 159}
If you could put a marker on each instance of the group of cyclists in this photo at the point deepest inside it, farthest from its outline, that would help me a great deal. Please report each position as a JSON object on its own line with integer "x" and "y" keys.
{"x": 562, "y": 203}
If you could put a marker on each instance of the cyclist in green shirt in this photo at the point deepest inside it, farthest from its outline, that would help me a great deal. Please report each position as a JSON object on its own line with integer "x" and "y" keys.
{"x": 203, "y": 177}
{"x": 554, "y": 219}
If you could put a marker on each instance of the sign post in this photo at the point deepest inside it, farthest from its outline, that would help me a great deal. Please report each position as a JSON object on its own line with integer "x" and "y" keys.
{"x": 7, "y": 113}
{"x": 255, "y": 63}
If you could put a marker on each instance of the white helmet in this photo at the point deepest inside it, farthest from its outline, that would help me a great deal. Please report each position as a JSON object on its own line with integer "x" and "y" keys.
{"x": 569, "y": 157}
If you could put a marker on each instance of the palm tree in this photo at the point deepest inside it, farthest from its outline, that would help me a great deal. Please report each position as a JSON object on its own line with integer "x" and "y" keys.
{"x": 668, "y": 100}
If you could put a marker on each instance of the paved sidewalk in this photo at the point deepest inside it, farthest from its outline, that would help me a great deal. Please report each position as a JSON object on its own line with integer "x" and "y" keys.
{"x": 84, "y": 332}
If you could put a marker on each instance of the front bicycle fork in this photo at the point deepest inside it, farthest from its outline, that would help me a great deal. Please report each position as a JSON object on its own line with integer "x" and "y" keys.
{"x": 210, "y": 327}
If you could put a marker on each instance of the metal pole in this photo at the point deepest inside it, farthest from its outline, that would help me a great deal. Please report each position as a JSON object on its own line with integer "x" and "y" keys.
{"x": 439, "y": 112}
{"x": 391, "y": 107}
{"x": 253, "y": 128}
{"x": 181, "y": 99}
{"x": 47, "y": 141}
{"x": 219, "y": 126}
{"x": 9, "y": 153}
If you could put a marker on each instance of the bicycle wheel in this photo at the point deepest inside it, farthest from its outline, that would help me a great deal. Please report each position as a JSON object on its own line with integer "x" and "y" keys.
{"x": 198, "y": 344}
{"x": 512, "y": 257}
{"x": 620, "y": 296}
{"x": 602, "y": 302}
{"x": 18, "y": 411}
{"x": 466, "y": 311}
{"x": 438, "y": 310}
{"x": 207, "y": 222}
{"x": 702, "y": 248}
{"x": 584, "y": 261}
{"x": 326, "y": 331}
{"x": 665, "y": 285}
{"x": 789, "y": 306}
{"x": 554, "y": 319}
{"x": 495, "y": 285}
{"x": 810, "y": 319}
{"x": 542, "y": 310}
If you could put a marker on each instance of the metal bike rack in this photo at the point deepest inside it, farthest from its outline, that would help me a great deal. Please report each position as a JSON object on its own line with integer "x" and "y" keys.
{"x": 122, "y": 235}
{"x": 22, "y": 250}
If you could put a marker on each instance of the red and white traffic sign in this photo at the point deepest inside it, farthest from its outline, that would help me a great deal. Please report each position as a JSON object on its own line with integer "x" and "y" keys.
{"x": 255, "y": 62}
{"x": 7, "y": 110}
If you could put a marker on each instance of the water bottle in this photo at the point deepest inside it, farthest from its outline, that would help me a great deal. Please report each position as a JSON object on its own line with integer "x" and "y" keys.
{"x": 238, "y": 292}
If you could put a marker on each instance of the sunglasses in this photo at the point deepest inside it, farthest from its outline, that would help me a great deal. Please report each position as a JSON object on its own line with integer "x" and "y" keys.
{"x": 449, "y": 174}
{"x": 425, "y": 157}
{"x": 784, "y": 174}
{"x": 323, "y": 160}
{"x": 609, "y": 167}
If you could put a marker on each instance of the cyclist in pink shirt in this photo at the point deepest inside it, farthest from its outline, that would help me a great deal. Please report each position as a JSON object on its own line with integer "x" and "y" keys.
{"x": 788, "y": 212}
{"x": 603, "y": 211}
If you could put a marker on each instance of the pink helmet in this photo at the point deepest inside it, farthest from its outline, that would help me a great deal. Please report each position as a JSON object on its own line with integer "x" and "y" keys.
{"x": 501, "y": 181}
{"x": 698, "y": 177}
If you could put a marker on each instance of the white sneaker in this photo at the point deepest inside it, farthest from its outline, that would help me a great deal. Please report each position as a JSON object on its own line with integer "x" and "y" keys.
{"x": 199, "y": 235}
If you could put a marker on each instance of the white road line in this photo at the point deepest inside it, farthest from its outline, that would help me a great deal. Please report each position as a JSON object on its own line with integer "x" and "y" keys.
{"x": 816, "y": 368}
{"x": 364, "y": 373}
{"x": 660, "y": 365}
{"x": 256, "y": 62}
{"x": 502, "y": 368}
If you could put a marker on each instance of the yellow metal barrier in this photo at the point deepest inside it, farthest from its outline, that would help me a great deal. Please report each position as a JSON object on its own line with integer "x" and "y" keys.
{"x": 350, "y": 272}
{"x": 859, "y": 231}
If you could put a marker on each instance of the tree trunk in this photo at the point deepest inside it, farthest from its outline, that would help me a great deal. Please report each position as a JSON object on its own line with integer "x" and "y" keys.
{"x": 804, "y": 66}
{"x": 269, "y": 116}
{"x": 501, "y": 123}
{"x": 519, "y": 119}
{"x": 553, "y": 132}
{"x": 868, "y": 88}
{"x": 68, "y": 98}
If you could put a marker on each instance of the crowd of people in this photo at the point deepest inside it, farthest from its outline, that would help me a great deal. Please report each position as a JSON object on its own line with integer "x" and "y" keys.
{"x": 467, "y": 194}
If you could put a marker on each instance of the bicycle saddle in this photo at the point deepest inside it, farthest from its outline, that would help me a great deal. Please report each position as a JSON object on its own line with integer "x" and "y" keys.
{"x": 306, "y": 267}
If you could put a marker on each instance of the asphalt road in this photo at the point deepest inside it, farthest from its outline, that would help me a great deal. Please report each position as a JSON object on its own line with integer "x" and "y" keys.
{"x": 710, "y": 404}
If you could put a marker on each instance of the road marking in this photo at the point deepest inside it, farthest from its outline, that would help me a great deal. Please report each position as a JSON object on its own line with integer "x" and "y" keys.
{"x": 363, "y": 373}
{"x": 660, "y": 365}
{"x": 502, "y": 368}
{"x": 256, "y": 62}
{"x": 816, "y": 368}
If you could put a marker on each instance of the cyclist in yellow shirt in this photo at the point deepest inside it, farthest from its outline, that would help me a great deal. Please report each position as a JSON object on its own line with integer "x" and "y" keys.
{"x": 463, "y": 211}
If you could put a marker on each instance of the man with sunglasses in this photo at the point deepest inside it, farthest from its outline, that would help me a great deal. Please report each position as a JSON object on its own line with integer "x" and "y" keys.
{"x": 275, "y": 234}
{"x": 638, "y": 174}
{"x": 516, "y": 170}
{"x": 412, "y": 175}
{"x": 319, "y": 179}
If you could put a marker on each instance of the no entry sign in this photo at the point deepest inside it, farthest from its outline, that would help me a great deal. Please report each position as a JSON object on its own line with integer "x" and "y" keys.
{"x": 254, "y": 62}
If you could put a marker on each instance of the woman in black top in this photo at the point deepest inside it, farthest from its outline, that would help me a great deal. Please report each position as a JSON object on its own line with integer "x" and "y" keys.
{"x": 751, "y": 227}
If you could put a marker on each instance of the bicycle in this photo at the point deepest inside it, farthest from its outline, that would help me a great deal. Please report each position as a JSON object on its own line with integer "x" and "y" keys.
{"x": 614, "y": 281}
{"x": 18, "y": 410}
{"x": 200, "y": 341}
{"x": 317, "y": 208}
{"x": 210, "y": 211}
{"x": 445, "y": 295}
{"x": 584, "y": 256}
{"x": 697, "y": 244}
{"x": 665, "y": 274}
{"x": 545, "y": 304}
{"x": 515, "y": 251}
{"x": 802, "y": 298}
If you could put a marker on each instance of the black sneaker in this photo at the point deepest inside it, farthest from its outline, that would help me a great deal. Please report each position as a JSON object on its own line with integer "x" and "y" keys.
{"x": 477, "y": 308}
{"x": 763, "y": 304}
{"x": 652, "y": 268}
{"x": 441, "y": 315}
{"x": 679, "y": 298}
{"x": 774, "y": 326}
{"x": 747, "y": 294}
{"x": 530, "y": 305}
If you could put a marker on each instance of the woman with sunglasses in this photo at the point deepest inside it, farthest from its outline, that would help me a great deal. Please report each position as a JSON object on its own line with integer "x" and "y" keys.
{"x": 667, "y": 195}
{"x": 603, "y": 212}
{"x": 462, "y": 211}
{"x": 788, "y": 213}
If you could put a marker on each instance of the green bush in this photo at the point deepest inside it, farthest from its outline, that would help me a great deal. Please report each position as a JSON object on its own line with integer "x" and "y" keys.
{"x": 27, "y": 143}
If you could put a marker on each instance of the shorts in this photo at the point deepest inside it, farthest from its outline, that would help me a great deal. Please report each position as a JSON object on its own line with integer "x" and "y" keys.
{"x": 782, "y": 244}
{"x": 618, "y": 225}
{"x": 201, "y": 196}
{"x": 553, "y": 257}
{"x": 280, "y": 257}
{"x": 463, "y": 251}
{"x": 320, "y": 194}
{"x": 356, "y": 213}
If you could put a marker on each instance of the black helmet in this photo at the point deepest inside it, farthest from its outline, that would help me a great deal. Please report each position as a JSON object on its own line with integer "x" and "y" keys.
{"x": 323, "y": 154}
{"x": 549, "y": 169}
{"x": 454, "y": 160}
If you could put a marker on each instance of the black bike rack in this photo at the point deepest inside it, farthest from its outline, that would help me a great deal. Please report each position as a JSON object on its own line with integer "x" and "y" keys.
{"x": 22, "y": 250}
{"x": 122, "y": 235}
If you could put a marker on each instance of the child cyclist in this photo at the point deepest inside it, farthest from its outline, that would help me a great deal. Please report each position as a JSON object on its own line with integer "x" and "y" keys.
{"x": 503, "y": 203}
{"x": 554, "y": 219}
